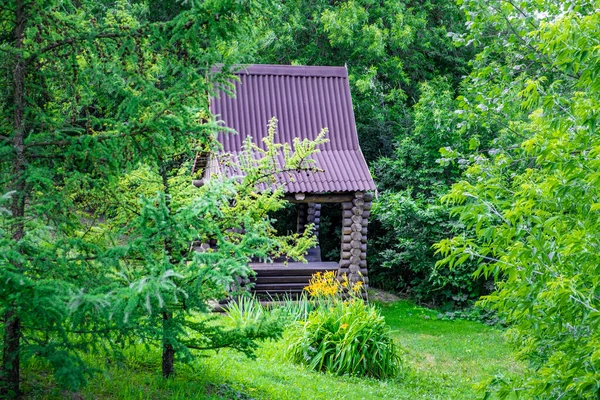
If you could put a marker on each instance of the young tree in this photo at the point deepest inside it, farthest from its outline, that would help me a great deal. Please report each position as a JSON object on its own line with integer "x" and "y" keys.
{"x": 164, "y": 282}
{"x": 532, "y": 199}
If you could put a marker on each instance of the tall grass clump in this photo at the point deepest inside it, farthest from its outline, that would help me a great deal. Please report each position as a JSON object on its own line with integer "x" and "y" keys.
{"x": 295, "y": 309}
{"x": 343, "y": 336}
{"x": 246, "y": 311}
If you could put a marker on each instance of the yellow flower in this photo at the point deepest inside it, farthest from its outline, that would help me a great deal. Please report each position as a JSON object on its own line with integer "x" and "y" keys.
{"x": 343, "y": 326}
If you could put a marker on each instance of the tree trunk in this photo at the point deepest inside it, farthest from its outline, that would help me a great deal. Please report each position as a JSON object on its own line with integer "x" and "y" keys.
{"x": 168, "y": 354}
{"x": 9, "y": 372}
{"x": 9, "y": 386}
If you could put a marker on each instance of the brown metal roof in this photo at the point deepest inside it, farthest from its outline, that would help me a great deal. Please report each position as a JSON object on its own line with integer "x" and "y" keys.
{"x": 304, "y": 100}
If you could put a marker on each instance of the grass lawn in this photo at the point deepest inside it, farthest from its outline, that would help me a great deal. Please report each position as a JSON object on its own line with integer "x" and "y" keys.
{"x": 443, "y": 359}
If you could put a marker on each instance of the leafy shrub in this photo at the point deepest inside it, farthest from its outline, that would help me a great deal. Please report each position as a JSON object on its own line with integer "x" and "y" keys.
{"x": 408, "y": 218}
{"x": 346, "y": 338}
{"x": 343, "y": 337}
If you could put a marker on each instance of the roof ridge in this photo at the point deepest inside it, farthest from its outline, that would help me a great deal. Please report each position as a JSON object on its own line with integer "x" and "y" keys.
{"x": 295, "y": 70}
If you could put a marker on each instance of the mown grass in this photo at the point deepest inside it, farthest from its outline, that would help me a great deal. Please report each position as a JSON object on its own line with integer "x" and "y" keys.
{"x": 443, "y": 360}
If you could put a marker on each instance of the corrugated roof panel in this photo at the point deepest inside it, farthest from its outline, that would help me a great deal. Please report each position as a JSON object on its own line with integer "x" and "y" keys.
{"x": 304, "y": 100}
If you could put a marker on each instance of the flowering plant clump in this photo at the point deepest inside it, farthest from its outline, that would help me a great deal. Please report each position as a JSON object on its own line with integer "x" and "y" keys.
{"x": 327, "y": 286}
{"x": 343, "y": 335}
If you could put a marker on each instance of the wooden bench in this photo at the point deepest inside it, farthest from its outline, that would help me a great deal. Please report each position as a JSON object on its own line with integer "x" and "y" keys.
{"x": 274, "y": 280}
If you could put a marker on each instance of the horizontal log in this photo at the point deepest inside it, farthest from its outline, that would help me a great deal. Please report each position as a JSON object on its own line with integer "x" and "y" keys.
{"x": 343, "y": 264}
{"x": 357, "y": 210}
{"x": 274, "y": 294}
{"x": 317, "y": 221}
{"x": 348, "y": 246}
{"x": 366, "y": 214}
{"x": 363, "y": 264}
{"x": 368, "y": 206}
{"x": 362, "y": 271}
{"x": 364, "y": 222}
{"x": 364, "y": 231}
{"x": 347, "y": 206}
{"x": 346, "y": 230}
{"x": 368, "y": 197}
{"x": 359, "y": 195}
{"x": 293, "y": 268}
{"x": 356, "y": 227}
{"x": 359, "y": 202}
{"x": 347, "y": 222}
{"x": 355, "y": 244}
{"x": 347, "y": 214}
{"x": 319, "y": 198}
{"x": 355, "y": 236}
{"x": 277, "y": 286}
{"x": 345, "y": 255}
{"x": 356, "y": 219}
{"x": 348, "y": 238}
{"x": 357, "y": 252}
{"x": 354, "y": 260}
{"x": 284, "y": 279}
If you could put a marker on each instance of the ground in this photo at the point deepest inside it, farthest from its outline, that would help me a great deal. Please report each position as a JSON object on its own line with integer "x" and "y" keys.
{"x": 443, "y": 360}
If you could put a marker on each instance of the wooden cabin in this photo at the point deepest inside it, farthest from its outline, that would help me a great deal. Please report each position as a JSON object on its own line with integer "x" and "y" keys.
{"x": 304, "y": 100}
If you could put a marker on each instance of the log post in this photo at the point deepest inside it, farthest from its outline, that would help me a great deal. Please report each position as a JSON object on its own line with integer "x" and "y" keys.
{"x": 301, "y": 221}
{"x": 313, "y": 216}
{"x": 355, "y": 219}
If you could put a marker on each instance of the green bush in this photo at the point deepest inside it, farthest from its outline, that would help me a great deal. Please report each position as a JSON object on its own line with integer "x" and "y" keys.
{"x": 346, "y": 338}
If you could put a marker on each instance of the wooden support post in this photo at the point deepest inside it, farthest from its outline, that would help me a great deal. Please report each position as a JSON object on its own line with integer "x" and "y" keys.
{"x": 301, "y": 221}
{"x": 355, "y": 219}
{"x": 313, "y": 216}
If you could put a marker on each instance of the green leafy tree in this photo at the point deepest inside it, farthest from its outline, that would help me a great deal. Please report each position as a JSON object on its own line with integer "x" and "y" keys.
{"x": 531, "y": 201}
{"x": 409, "y": 215}
{"x": 389, "y": 47}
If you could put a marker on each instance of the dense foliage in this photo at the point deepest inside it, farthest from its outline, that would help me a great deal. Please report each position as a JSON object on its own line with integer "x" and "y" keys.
{"x": 388, "y": 46}
{"x": 102, "y": 110}
{"x": 531, "y": 201}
